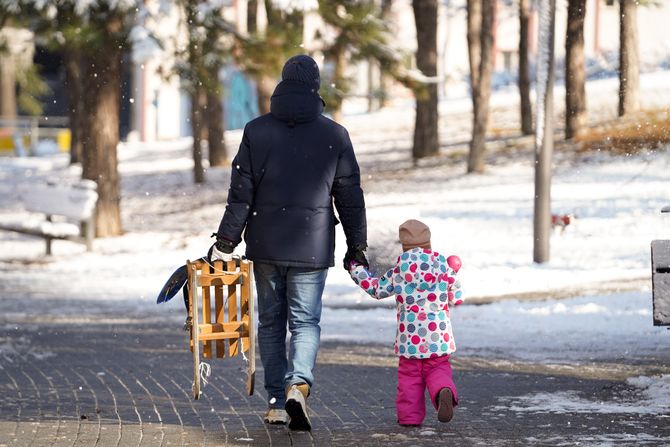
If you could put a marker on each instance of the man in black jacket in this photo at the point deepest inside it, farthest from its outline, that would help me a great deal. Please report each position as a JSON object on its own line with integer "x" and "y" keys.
{"x": 292, "y": 164}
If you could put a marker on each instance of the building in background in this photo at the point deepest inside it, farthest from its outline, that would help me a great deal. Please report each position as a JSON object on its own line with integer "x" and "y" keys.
{"x": 154, "y": 106}
{"x": 601, "y": 40}
{"x": 160, "y": 108}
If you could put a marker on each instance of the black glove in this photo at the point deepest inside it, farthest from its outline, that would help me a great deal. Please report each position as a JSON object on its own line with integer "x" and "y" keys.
{"x": 220, "y": 249}
{"x": 356, "y": 254}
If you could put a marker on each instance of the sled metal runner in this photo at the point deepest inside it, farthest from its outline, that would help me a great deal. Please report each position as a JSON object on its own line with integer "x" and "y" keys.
{"x": 228, "y": 331}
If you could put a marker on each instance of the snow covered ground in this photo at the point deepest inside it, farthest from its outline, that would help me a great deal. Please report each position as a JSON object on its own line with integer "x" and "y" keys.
{"x": 485, "y": 219}
{"x": 591, "y": 302}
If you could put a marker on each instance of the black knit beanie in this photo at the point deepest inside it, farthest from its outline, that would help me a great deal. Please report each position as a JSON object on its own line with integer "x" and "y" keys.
{"x": 303, "y": 69}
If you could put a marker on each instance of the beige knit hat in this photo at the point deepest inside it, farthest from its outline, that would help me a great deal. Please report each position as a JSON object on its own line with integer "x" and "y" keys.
{"x": 413, "y": 233}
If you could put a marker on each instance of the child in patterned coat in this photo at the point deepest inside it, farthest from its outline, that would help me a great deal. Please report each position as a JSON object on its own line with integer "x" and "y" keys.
{"x": 424, "y": 284}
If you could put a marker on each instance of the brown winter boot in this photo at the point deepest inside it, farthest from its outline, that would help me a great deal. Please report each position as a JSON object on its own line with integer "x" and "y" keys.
{"x": 296, "y": 407}
{"x": 276, "y": 416}
{"x": 445, "y": 405}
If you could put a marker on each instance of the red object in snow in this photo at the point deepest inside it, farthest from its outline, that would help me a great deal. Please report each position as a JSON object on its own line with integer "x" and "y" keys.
{"x": 561, "y": 221}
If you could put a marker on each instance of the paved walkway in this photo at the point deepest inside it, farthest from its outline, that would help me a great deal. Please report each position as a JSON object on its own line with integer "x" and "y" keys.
{"x": 123, "y": 380}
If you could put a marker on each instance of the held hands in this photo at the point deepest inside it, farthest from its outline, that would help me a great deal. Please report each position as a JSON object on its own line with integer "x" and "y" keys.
{"x": 221, "y": 250}
{"x": 355, "y": 256}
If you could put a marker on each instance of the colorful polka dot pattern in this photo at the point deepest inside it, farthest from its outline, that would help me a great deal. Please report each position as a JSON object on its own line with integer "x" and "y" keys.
{"x": 424, "y": 284}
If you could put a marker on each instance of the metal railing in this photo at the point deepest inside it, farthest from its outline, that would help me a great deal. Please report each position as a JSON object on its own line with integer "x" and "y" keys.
{"x": 35, "y": 128}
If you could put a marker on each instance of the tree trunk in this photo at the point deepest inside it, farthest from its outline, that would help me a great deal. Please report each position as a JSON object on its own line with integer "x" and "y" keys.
{"x": 480, "y": 33}
{"x": 102, "y": 84}
{"x": 7, "y": 86}
{"x": 198, "y": 103}
{"x": 372, "y": 88}
{"x": 215, "y": 126}
{"x": 629, "y": 64}
{"x": 426, "y": 139}
{"x": 384, "y": 79}
{"x": 252, "y": 13}
{"x": 575, "y": 74}
{"x": 474, "y": 25}
{"x": 75, "y": 109}
{"x": 524, "y": 70}
{"x": 265, "y": 87}
{"x": 338, "y": 77}
{"x": 544, "y": 132}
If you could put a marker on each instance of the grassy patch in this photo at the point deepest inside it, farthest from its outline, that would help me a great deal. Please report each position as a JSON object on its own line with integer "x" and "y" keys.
{"x": 644, "y": 130}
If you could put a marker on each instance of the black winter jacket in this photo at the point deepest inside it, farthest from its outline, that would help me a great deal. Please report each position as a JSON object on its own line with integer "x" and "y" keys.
{"x": 292, "y": 164}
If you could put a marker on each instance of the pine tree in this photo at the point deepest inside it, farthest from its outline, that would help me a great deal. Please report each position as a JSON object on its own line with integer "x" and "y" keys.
{"x": 63, "y": 38}
{"x": 265, "y": 50}
{"x": 526, "y": 111}
{"x": 198, "y": 66}
{"x": 575, "y": 70}
{"x": 480, "y": 45}
{"x": 98, "y": 32}
{"x": 426, "y": 138}
{"x": 360, "y": 34}
{"x": 629, "y": 58}
{"x": 7, "y": 66}
{"x": 20, "y": 83}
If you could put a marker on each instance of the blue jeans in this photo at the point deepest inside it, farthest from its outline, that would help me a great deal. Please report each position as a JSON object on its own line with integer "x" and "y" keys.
{"x": 288, "y": 295}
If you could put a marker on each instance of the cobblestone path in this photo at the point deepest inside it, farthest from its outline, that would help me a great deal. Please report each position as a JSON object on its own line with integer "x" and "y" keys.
{"x": 122, "y": 380}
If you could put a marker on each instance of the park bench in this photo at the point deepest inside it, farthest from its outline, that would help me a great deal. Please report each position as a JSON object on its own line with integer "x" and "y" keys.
{"x": 58, "y": 211}
{"x": 228, "y": 331}
{"x": 660, "y": 278}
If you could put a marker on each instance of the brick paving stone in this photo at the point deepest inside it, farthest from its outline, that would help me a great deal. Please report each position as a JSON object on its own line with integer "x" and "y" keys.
{"x": 104, "y": 384}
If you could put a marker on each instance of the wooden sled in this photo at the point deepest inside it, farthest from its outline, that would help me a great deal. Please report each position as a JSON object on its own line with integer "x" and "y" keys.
{"x": 229, "y": 289}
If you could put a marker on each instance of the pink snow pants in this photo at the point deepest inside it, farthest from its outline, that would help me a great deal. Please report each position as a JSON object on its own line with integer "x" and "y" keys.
{"x": 414, "y": 376}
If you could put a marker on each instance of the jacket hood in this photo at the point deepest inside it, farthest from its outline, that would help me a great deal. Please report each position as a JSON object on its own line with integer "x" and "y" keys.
{"x": 295, "y": 102}
{"x": 421, "y": 268}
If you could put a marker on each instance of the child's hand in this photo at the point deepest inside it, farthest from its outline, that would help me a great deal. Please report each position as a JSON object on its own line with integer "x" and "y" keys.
{"x": 352, "y": 265}
{"x": 377, "y": 287}
{"x": 355, "y": 253}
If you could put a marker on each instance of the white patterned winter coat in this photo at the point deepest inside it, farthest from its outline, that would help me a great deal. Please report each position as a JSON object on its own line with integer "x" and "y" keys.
{"x": 424, "y": 284}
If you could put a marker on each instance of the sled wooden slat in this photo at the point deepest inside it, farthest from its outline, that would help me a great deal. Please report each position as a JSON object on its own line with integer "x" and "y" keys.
{"x": 249, "y": 318}
{"x": 244, "y": 305}
{"x": 232, "y": 310}
{"x": 219, "y": 312}
{"x": 221, "y": 279}
{"x": 193, "y": 304}
{"x": 222, "y": 336}
{"x": 191, "y": 269}
{"x": 207, "y": 319}
{"x": 236, "y": 327}
{"x": 229, "y": 285}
